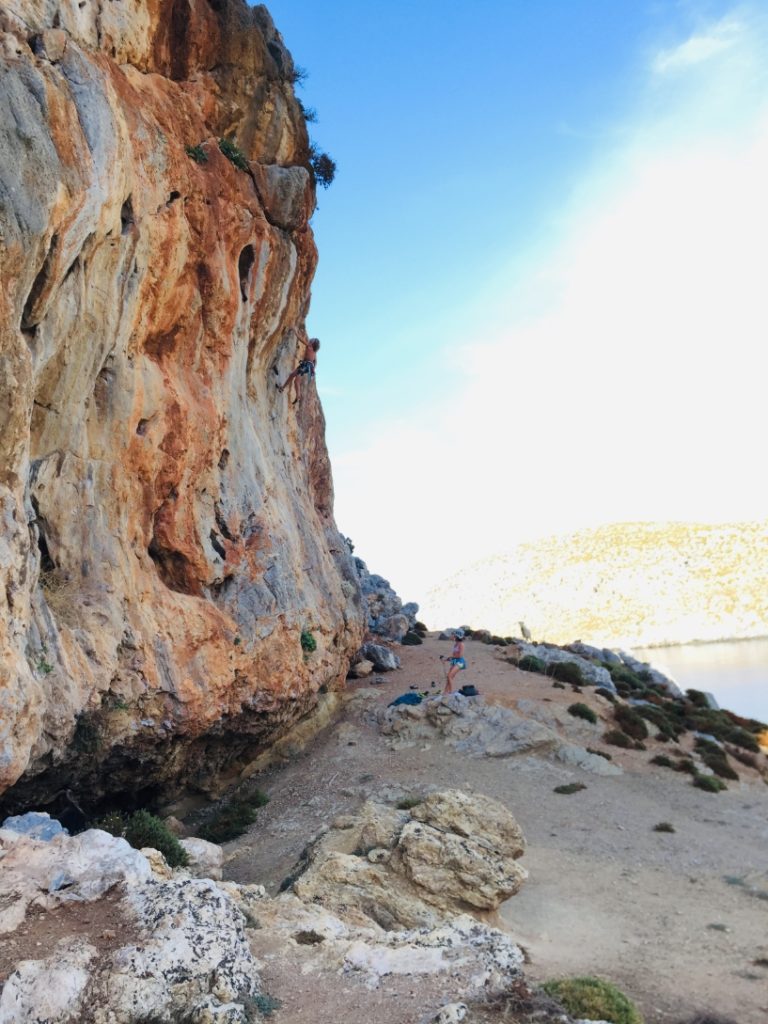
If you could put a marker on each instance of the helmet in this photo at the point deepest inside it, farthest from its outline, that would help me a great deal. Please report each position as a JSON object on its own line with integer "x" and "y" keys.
{"x": 459, "y": 634}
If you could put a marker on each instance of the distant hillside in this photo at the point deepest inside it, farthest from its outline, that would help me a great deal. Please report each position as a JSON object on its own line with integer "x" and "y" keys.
{"x": 628, "y": 583}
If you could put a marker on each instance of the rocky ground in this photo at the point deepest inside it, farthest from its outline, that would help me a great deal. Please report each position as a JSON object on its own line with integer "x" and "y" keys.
{"x": 675, "y": 919}
{"x": 429, "y": 873}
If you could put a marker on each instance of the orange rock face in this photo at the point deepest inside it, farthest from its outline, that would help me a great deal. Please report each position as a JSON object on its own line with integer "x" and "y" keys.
{"x": 166, "y": 516}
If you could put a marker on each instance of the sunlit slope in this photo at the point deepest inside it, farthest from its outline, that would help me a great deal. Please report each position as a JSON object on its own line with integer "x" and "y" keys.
{"x": 628, "y": 583}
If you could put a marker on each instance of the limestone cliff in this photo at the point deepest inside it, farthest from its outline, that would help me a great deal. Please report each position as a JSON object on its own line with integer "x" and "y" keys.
{"x": 166, "y": 527}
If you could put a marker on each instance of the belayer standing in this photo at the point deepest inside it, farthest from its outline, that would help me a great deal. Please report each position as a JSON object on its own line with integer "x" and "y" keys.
{"x": 306, "y": 368}
{"x": 456, "y": 660}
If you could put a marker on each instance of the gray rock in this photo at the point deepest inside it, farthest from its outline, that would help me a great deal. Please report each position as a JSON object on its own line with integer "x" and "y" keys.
{"x": 594, "y": 674}
{"x": 284, "y": 193}
{"x": 578, "y": 757}
{"x": 384, "y": 660}
{"x": 386, "y": 611}
{"x": 36, "y": 825}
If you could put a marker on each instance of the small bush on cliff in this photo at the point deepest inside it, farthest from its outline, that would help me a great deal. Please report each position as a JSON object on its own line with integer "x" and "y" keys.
{"x": 529, "y": 663}
{"x": 709, "y": 783}
{"x": 617, "y": 739}
{"x": 308, "y": 642}
{"x": 144, "y": 829}
{"x": 630, "y": 722}
{"x": 569, "y": 788}
{"x": 602, "y": 692}
{"x": 714, "y": 757}
{"x": 663, "y": 761}
{"x": 323, "y": 167}
{"x": 566, "y": 672}
{"x": 583, "y": 711}
{"x": 664, "y": 826}
{"x": 600, "y": 753}
{"x": 197, "y": 153}
{"x": 234, "y": 154}
{"x": 593, "y": 999}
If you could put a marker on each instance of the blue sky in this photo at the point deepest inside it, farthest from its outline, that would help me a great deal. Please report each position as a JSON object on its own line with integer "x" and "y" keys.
{"x": 539, "y": 285}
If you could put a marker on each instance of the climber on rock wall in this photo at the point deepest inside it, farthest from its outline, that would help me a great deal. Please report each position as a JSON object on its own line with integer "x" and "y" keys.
{"x": 306, "y": 368}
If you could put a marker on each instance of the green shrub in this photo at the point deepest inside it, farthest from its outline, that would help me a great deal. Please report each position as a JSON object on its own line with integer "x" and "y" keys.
{"x": 600, "y": 753}
{"x": 714, "y": 757}
{"x": 262, "y": 1005}
{"x": 685, "y": 764}
{"x": 233, "y": 819}
{"x": 308, "y": 642}
{"x": 142, "y": 829}
{"x": 663, "y": 761}
{"x": 558, "y": 686}
{"x": 583, "y": 711}
{"x": 668, "y": 726}
{"x": 571, "y": 787}
{"x": 742, "y": 755}
{"x": 617, "y": 738}
{"x": 698, "y": 698}
{"x": 419, "y": 627}
{"x": 709, "y": 783}
{"x": 664, "y": 826}
{"x": 530, "y": 663}
{"x": 630, "y": 722}
{"x": 323, "y": 167}
{"x": 566, "y": 672}
{"x": 593, "y": 999}
{"x": 625, "y": 676}
{"x": 197, "y": 153}
{"x": 411, "y": 639}
{"x": 602, "y": 692}
{"x": 234, "y": 154}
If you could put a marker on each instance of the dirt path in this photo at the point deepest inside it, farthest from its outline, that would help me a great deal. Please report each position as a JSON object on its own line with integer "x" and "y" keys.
{"x": 607, "y": 895}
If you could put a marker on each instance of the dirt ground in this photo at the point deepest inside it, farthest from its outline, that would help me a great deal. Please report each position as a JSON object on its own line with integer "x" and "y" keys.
{"x": 678, "y": 920}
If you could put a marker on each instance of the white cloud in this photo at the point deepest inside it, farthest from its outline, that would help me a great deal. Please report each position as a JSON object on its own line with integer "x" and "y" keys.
{"x": 699, "y": 48}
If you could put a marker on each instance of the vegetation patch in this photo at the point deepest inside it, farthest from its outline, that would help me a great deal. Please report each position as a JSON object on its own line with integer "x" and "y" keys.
{"x": 583, "y": 711}
{"x": 685, "y": 764}
{"x": 593, "y": 999}
{"x": 234, "y": 154}
{"x": 714, "y": 757}
{"x": 600, "y": 753}
{"x": 571, "y": 787}
{"x": 566, "y": 672}
{"x": 663, "y": 761}
{"x": 323, "y": 167}
{"x": 602, "y": 692}
{"x": 709, "y": 783}
{"x": 558, "y": 686}
{"x": 144, "y": 829}
{"x": 617, "y": 738}
{"x": 197, "y": 153}
{"x": 530, "y": 663}
{"x": 630, "y": 722}
{"x": 411, "y": 639}
{"x": 664, "y": 826}
{"x": 308, "y": 642}
{"x": 233, "y": 819}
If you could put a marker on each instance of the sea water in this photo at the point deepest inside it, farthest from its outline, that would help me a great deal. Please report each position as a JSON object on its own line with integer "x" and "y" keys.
{"x": 734, "y": 671}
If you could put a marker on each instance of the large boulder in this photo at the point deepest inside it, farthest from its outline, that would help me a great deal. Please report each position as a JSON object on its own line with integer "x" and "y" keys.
{"x": 387, "y": 615}
{"x": 175, "y": 950}
{"x": 383, "y": 658}
{"x": 468, "y": 725}
{"x": 206, "y": 860}
{"x": 412, "y": 869}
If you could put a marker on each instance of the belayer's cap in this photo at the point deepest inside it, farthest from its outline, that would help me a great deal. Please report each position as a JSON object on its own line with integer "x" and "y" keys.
{"x": 459, "y": 634}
